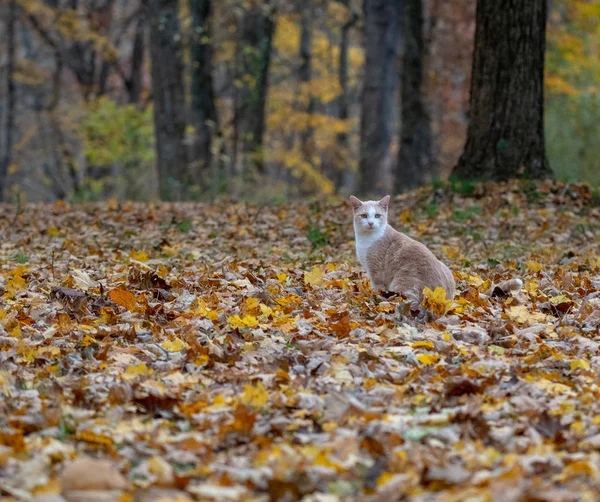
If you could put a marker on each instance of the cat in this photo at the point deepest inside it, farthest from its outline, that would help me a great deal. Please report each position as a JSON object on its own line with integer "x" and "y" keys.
{"x": 393, "y": 261}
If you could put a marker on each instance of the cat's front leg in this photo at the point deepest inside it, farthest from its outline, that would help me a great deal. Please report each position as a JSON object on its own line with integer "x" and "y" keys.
{"x": 375, "y": 286}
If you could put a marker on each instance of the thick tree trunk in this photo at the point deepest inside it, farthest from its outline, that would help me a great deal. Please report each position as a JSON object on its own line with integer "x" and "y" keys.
{"x": 415, "y": 159}
{"x": 505, "y": 136}
{"x": 255, "y": 48}
{"x": 382, "y": 39}
{"x": 169, "y": 103}
{"x": 204, "y": 113}
{"x": 6, "y": 157}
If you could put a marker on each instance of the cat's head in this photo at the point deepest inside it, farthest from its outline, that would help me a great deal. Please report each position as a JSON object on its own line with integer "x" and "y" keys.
{"x": 371, "y": 215}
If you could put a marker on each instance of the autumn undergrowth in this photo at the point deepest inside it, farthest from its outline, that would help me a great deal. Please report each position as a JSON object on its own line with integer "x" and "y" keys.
{"x": 236, "y": 352}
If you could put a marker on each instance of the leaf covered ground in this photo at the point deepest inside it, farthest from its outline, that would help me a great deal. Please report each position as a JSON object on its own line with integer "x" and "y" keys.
{"x": 234, "y": 352}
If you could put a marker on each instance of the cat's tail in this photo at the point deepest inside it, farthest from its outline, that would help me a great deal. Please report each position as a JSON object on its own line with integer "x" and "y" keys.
{"x": 505, "y": 287}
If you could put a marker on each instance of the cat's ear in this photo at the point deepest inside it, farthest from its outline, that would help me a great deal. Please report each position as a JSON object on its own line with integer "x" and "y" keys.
{"x": 356, "y": 203}
{"x": 385, "y": 202}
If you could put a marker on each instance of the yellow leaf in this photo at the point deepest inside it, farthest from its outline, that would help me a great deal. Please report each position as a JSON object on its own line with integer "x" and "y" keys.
{"x": 250, "y": 321}
{"x": 87, "y": 340}
{"x": 314, "y": 277}
{"x": 436, "y": 301}
{"x": 53, "y": 232}
{"x": 173, "y": 345}
{"x": 123, "y": 297}
{"x": 533, "y": 266}
{"x": 134, "y": 371}
{"x": 139, "y": 256}
{"x": 423, "y": 345}
{"x": 235, "y": 321}
{"x": 406, "y": 217}
{"x": 384, "y": 478}
{"x": 557, "y": 300}
{"x": 531, "y": 286}
{"x": 252, "y": 304}
{"x": 428, "y": 359}
{"x": 267, "y": 311}
{"x": 520, "y": 314}
{"x": 281, "y": 277}
{"x": 475, "y": 280}
{"x": 255, "y": 395}
{"x": 580, "y": 363}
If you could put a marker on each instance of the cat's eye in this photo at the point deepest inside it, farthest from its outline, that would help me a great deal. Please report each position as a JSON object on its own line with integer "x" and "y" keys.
{"x": 363, "y": 215}
{"x": 377, "y": 216}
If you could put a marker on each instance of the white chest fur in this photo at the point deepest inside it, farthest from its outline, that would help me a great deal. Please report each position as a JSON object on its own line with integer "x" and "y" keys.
{"x": 364, "y": 240}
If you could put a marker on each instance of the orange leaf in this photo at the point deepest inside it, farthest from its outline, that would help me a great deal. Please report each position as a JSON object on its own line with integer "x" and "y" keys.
{"x": 123, "y": 297}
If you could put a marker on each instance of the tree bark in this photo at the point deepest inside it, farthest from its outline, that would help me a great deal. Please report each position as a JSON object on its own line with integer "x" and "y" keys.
{"x": 6, "y": 159}
{"x": 135, "y": 82}
{"x": 256, "y": 43}
{"x": 416, "y": 162}
{"x": 169, "y": 103}
{"x": 204, "y": 112}
{"x": 505, "y": 136}
{"x": 305, "y": 74}
{"x": 382, "y": 40}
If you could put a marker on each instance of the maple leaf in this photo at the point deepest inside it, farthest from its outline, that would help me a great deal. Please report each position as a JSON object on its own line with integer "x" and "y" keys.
{"x": 436, "y": 301}
{"x": 314, "y": 277}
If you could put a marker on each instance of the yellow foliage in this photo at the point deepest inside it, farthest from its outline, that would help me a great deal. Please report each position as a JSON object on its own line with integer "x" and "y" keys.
{"x": 255, "y": 395}
{"x": 314, "y": 277}
{"x": 133, "y": 371}
{"x": 173, "y": 345}
{"x": 428, "y": 359}
{"x": 436, "y": 301}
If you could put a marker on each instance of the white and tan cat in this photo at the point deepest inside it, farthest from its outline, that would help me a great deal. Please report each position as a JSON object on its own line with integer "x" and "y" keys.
{"x": 393, "y": 261}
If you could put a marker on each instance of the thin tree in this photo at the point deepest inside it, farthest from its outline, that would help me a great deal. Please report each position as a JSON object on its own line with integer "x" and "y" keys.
{"x": 204, "y": 112}
{"x": 416, "y": 162}
{"x": 254, "y": 52}
{"x": 6, "y": 159}
{"x": 344, "y": 98}
{"x": 135, "y": 82}
{"x": 305, "y": 72}
{"x": 505, "y": 136}
{"x": 382, "y": 43}
{"x": 169, "y": 103}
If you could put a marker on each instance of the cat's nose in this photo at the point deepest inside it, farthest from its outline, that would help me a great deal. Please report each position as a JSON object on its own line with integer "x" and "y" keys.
{"x": 370, "y": 223}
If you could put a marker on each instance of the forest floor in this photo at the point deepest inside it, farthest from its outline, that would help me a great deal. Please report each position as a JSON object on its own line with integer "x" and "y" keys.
{"x": 232, "y": 352}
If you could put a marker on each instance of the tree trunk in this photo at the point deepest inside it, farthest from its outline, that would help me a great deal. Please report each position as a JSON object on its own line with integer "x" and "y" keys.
{"x": 415, "y": 159}
{"x": 204, "y": 113}
{"x": 135, "y": 82}
{"x": 255, "y": 48}
{"x": 341, "y": 174}
{"x": 10, "y": 98}
{"x": 305, "y": 75}
{"x": 505, "y": 136}
{"x": 382, "y": 39}
{"x": 169, "y": 103}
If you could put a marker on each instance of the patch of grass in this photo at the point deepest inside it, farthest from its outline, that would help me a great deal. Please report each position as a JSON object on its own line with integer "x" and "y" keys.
{"x": 432, "y": 209}
{"x": 462, "y": 187}
{"x": 492, "y": 262}
{"x": 529, "y": 188}
{"x": 184, "y": 226}
{"x": 20, "y": 257}
{"x": 317, "y": 238}
{"x": 465, "y": 214}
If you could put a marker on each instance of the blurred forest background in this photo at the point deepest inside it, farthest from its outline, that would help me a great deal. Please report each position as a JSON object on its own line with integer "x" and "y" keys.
{"x": 262, "y": 99}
